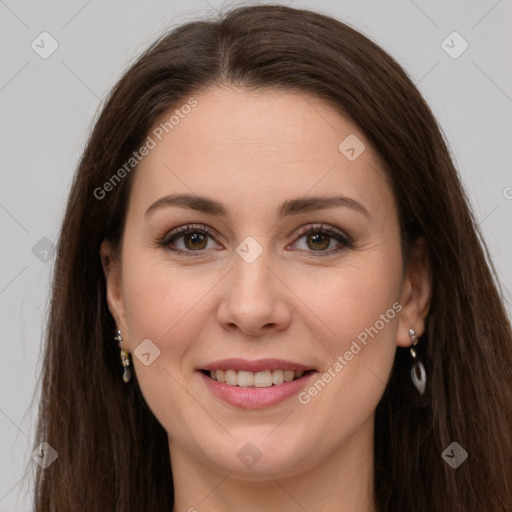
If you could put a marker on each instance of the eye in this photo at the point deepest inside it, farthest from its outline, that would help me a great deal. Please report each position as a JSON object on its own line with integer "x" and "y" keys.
{"x": 193, "y": 240}
{"x": 319, "y": 238}
{"x": 188, "y": 239}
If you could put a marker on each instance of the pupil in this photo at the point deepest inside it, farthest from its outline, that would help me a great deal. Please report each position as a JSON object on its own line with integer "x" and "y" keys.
{"x": 317, "y": 238}
{"x": 194, "y": 238}
{"x": 321, "y": 241}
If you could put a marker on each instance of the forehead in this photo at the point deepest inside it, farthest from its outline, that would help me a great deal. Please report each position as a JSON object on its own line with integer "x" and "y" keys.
{"x": 258, "y": 147}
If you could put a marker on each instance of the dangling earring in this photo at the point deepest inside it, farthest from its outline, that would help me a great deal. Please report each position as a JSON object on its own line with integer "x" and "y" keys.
{"x": 125, "y": 358}
{"x": 418, "y": 373}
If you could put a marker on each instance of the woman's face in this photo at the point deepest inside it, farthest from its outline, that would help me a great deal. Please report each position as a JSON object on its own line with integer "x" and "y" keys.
{"x": 249, "y": 292}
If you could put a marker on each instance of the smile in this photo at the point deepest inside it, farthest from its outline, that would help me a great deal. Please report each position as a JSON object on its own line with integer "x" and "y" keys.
{"x": 260, "y": 379}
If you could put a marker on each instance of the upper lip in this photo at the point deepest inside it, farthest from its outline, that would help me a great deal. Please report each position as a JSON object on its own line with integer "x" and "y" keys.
{"x": 257, "y": 365}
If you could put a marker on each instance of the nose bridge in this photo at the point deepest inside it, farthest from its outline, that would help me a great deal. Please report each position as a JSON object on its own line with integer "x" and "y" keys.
{"x": 253, "y": 298}
{"x": 252, "y": 258}
{"x": 251, "y": 278}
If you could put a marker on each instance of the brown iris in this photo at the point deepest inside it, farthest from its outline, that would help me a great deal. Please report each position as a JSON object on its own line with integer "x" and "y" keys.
{"x": 196, "y": 239}
{"x": 318, "y": 238}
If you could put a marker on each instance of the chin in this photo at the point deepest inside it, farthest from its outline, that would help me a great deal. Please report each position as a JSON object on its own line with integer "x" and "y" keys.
{"x": 254, "y": 457}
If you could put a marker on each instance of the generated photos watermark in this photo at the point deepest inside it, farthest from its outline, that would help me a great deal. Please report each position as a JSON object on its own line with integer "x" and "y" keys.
{"x": 343, "y": 360}
{"x": 151, "y": 142}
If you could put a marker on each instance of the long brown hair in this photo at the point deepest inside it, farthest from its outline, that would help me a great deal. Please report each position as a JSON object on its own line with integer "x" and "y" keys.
{"x": 112, "y": 453}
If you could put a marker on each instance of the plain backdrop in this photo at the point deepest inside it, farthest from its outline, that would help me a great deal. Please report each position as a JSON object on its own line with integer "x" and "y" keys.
{"x": 47, "y": 106}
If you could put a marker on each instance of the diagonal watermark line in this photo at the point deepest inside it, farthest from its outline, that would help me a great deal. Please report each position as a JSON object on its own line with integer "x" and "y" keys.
{"x": 168, "y": 168}
{"x": 199, "y": 403}
{"x": 192, "y": 191}
{"x": 81, "y": 80}
{"x": 280, "y": 423}
{"x": 12, "y": 488}
{"x": 198, "y": 301}
{"x": 319, "y": 180}
{"x": 317, "y": 112}
{"x": 19, "y": 19}
{"x": 333, "y": 333}
{"x": 488, "y": 215}
{"x": 424, "y": 14}
{"x": 370, "y": 370}
{"x": 287, "y": 492}
{"x": 214, "y": 8}
{"x": 427, "y": 73}
{"x": 76, "y": 14}
{"x": 217, "y": 486}
{"x": 485, "y": 15}
{"x": 18, "y": 428}
{"x": 13, "y": 218}
{"x": 12, "y": 280}
{"x": 309, "y": 190}
{"x": 14, "y": 76}
{"x": 492, "y": 81}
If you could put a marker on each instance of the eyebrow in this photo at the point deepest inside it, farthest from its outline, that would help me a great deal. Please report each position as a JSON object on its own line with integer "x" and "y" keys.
{"x": 289, "y": 207}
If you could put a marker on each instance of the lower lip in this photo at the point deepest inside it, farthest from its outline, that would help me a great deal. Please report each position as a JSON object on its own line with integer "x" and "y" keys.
{"x": 256, "y": 398}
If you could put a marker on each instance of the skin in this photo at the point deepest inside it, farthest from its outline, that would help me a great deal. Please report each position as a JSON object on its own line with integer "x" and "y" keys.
{"x": 251, "y": 151}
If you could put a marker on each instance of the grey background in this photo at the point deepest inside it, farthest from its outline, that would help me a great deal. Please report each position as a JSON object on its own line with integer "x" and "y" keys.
{"x": 47, "y": 107}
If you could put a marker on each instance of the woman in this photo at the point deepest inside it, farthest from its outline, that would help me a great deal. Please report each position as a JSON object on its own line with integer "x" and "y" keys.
{"x": 267, "y": 234}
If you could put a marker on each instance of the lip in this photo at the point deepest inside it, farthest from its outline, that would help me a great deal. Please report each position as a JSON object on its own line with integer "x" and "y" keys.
{"x": 256, "y": 398}
{"x": 258, "y": 365}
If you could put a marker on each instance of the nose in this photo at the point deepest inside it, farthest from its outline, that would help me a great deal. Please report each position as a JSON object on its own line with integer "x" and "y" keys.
{"x": 254, "y": 299}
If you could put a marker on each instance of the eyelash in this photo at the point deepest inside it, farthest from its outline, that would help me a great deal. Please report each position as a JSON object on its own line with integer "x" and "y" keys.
{"x": 324, "y": 229}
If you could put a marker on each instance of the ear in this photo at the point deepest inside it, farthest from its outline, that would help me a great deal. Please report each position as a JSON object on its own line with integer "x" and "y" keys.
{"x": 111, "y": 263}
{"x": 416, "y": 293}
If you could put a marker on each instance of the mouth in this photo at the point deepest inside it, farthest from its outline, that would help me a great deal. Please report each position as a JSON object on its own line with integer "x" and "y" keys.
{"x": 255, "y": 384}
{"x": 260, "y": 379}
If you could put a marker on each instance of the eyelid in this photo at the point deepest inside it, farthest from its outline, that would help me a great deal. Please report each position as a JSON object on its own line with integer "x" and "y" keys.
{"x": 333, "y": 232}
{"x": 299, "y": 232}
{"x": 176, "y": 233}
{"x": 168, "y": 235}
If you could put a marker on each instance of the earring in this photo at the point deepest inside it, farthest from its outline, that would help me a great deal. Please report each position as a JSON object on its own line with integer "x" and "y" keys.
{"x": 125, "y": 359}
{"x": 418, "y": 373}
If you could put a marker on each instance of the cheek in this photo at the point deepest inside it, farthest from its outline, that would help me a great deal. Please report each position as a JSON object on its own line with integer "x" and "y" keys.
{"x": 352, "y": 298}
{"x": 358, "y": 310}
{"x": 152, "y": 304}
{"x": 161, "y": 302}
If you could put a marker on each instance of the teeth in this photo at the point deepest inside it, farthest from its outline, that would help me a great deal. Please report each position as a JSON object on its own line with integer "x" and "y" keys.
{"x": 288, "y": 375}
{"x": 277, "y": 377}
{"x": 245, "y": 379}
{"x": 263, "y": 379}
{"x": 231, "y": 377}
